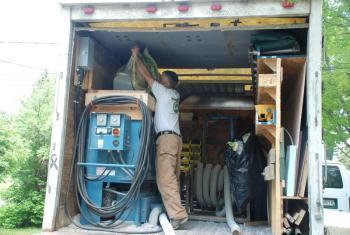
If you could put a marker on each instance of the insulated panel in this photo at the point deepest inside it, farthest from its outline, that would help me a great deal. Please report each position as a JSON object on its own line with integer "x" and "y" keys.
{"x": 183, "y": 49}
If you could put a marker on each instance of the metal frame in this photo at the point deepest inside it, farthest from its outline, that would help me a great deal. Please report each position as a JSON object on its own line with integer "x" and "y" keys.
{"x": 198, "y": 10}
{"x": 314, "y": 119}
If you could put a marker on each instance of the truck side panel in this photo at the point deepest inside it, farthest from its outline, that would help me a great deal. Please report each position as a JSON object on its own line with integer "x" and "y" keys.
{"x": 314, "y": 118}
{"x": 232, "y": 9}
{"x": 53, "y": 187}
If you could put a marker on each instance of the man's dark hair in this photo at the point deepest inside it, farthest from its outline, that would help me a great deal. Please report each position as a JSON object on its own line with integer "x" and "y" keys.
{"x": 173, "y": 78}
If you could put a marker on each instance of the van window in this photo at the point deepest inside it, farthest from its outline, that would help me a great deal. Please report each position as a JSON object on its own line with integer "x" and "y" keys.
{"x": 334, "y": 179}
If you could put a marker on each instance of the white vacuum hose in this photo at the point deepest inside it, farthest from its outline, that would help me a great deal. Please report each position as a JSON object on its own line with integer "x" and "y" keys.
{"x": 199, "y": 184}
{"x": 206, "y": 184}
{"x": 166, "y": 226}
{"x": 214, "y": 185}
{"x": 228, "y": 205}
{"x": 154, "y": 215}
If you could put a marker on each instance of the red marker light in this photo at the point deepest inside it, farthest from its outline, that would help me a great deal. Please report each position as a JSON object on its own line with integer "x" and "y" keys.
{"x": 183, "y": 8}
{"x": 216, "y": 7}
{"x": 88, "y": 10}
{"x": 287, "y": 4}
{"x": 151, "y": 9}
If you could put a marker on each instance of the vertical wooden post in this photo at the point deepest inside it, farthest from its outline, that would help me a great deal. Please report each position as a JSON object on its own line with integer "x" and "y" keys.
{"x": 276, "y": 199}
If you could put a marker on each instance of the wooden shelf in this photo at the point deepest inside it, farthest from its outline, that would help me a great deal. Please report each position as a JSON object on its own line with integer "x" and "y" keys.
{"x": 294, "y": 198}
{"x": 268, "y": 131}
{"x": 266, "y": 88}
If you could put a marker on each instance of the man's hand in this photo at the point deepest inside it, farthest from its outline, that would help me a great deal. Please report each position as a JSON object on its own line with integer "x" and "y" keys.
{"x": 135, "y": 50}
{"x": 140, "y": 67}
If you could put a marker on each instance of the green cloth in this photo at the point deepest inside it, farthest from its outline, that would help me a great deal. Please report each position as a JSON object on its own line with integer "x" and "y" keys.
{"x": 233, "y": 145}
{"x": 137, "y": 80}
{"x": 272, "y": 41}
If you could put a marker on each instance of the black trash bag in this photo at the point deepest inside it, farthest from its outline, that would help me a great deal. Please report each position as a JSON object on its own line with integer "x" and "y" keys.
{"x": 244, "y": 161}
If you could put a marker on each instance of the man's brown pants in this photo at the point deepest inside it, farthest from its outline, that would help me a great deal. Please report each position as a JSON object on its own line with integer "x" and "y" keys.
{"x": 168, "y": 172}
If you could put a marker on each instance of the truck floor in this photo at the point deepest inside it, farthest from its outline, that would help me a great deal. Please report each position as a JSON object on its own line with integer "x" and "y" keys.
{"x": 190, "y": 228}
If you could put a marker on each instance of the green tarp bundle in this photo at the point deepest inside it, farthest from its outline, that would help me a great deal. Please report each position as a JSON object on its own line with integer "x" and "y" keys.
{"x": 137, "y": 80}
{"x": 264, "y": 42}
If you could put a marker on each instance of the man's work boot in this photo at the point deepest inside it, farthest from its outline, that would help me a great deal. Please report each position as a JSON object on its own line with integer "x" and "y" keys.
{"x": 177, "y": 222}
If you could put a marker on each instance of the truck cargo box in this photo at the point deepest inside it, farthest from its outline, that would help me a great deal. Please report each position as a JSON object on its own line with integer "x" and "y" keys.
{"x": 229, "y": 86}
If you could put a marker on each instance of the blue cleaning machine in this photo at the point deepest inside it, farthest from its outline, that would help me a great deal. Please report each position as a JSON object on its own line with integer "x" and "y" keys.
{"x": 111, "y": 157}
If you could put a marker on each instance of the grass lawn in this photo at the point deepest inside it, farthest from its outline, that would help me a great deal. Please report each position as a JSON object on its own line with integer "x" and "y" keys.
{"x": 20, "y": 231}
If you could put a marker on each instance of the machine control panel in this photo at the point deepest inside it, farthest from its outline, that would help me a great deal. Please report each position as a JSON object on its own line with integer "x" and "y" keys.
{"x": 109, "y": 131}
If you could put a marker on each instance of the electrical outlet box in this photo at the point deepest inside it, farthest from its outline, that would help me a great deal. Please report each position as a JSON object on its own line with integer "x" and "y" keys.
{"x": 86, "y": 47}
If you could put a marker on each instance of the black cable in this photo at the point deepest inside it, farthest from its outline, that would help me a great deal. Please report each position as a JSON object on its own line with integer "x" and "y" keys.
{"x": 124, "y": 203}
{"x": 139, "y": 176}
{"x": 81, "y": 74}
{"x": 102, "y": 176}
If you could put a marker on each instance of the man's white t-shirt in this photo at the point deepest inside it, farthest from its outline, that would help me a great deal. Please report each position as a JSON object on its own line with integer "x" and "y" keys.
{"x": 167, "y": 108}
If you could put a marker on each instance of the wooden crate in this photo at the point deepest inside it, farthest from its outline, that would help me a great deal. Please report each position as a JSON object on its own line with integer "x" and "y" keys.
{"x": 131, "y": 109}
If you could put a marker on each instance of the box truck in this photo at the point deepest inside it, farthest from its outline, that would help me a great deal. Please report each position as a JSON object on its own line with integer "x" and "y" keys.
{"x": 250, "y": 76}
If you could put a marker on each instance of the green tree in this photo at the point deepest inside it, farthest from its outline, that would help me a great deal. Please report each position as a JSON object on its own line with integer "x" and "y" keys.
{"x": 6, "y": 144}
{"x": 336, "y": 76}
{"x": 29, "y": 157}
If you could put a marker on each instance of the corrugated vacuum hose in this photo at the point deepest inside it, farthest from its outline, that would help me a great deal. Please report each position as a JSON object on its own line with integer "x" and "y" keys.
{"x": 210, "y": 182}
{"x": 215, "y": 187}
{"x": 199, "y": 184}
{"x": 228, "y": 204}
{"x": 166, "y": 225}
{"x": 209, "y": 185}
{"x": 206, "y": 185}
{"x": 156, "y": 215}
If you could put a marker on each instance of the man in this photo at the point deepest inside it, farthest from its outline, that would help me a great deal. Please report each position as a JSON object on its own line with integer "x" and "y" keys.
{"x": 169, "y": 142}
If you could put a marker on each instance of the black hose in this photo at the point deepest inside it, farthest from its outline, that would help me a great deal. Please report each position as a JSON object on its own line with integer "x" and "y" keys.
{"x": 81, "y": 75}
{"x": 141, "y": 169}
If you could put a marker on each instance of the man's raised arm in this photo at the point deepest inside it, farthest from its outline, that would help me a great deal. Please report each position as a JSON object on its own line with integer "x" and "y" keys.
{"x": 141, "y": 68}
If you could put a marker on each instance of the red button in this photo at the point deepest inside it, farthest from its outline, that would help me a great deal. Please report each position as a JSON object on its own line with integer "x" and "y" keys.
{"x": 116, "y": 131}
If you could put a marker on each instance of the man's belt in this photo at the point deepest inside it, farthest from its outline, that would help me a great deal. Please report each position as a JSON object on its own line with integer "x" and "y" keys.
{"x": 167, "y": 133}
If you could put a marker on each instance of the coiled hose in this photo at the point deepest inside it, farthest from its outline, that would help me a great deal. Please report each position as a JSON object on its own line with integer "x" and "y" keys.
{"x": 199, "y": 184}
{"x": 214, "y": 180}
{"x": 209, "y": 185}
{"x": 206, "y": 184}
{"x": 114, "y": 210}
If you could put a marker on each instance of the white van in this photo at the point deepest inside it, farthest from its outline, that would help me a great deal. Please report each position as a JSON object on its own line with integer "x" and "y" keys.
{"x": 336, "y": 193}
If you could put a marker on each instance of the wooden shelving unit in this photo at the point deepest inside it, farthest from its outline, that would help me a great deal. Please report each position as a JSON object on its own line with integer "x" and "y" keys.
{"x": 269, "y": 93}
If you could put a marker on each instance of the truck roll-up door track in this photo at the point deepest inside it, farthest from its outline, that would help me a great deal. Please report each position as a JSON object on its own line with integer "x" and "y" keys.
{"x": 198, "y": 23}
